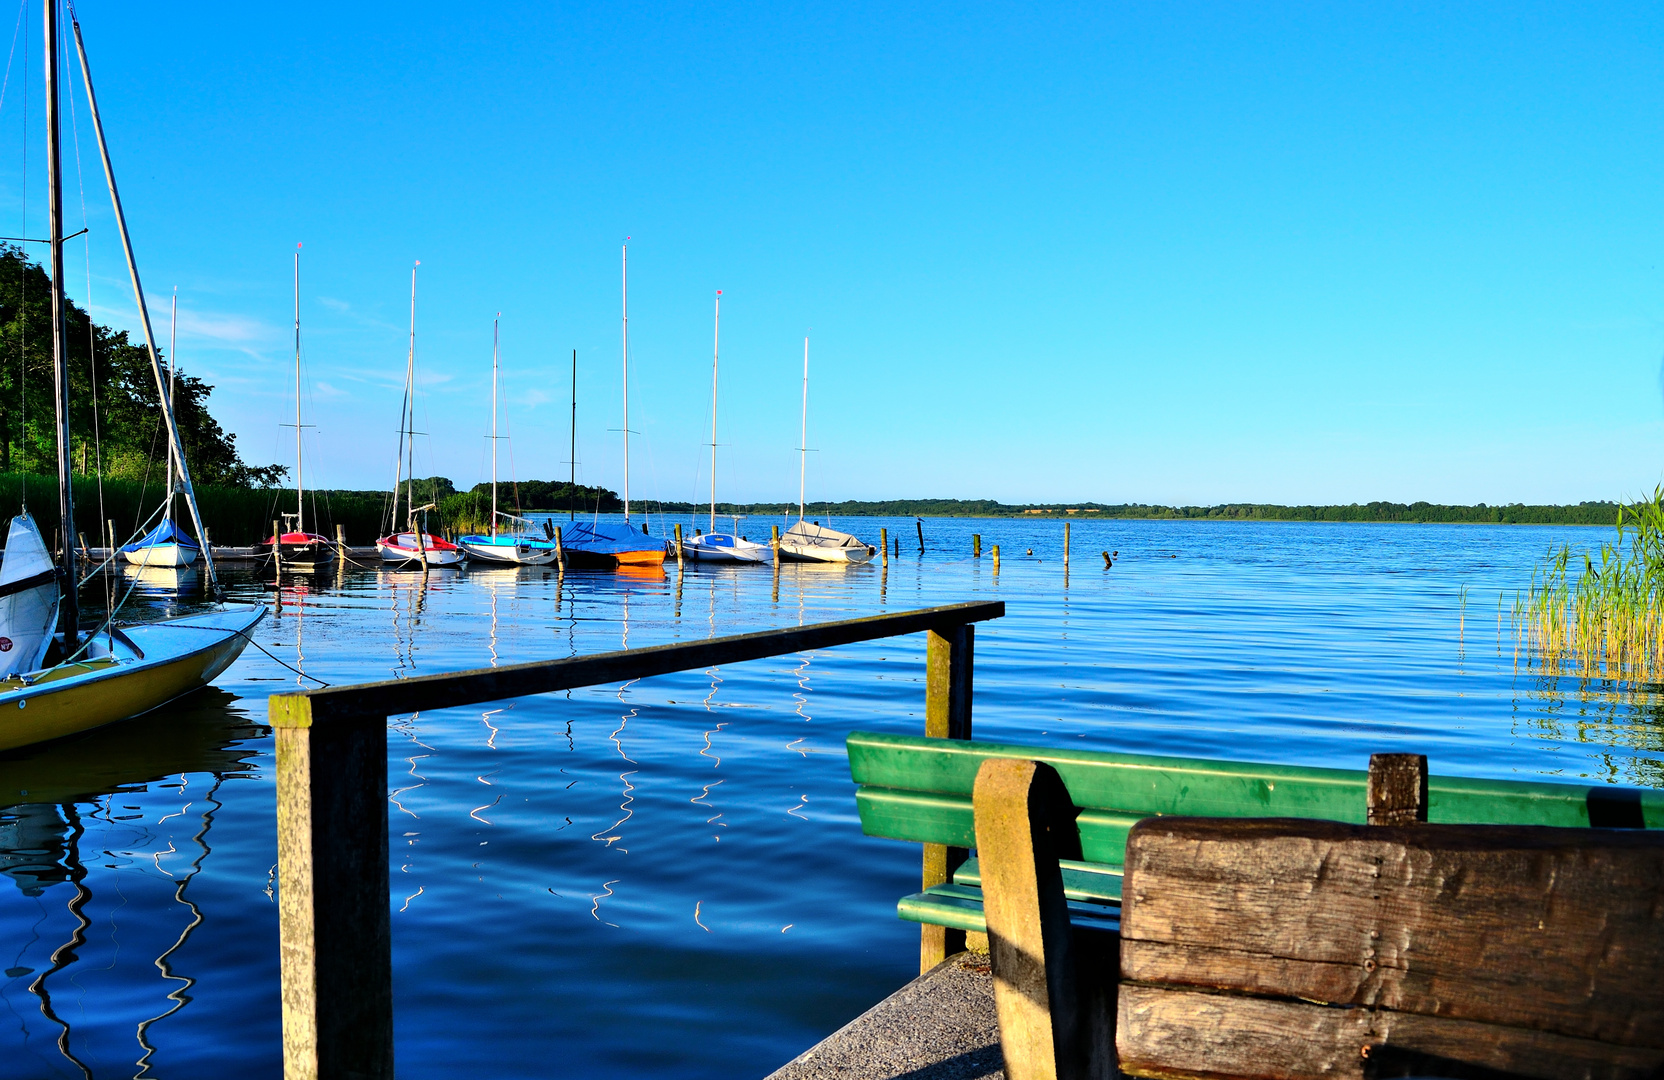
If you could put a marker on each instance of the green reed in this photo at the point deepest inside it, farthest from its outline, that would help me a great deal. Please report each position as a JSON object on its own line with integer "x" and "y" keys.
{"x": 1603, "y": 618}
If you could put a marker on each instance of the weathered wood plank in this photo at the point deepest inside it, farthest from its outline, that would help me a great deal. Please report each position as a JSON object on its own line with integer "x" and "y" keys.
{"x": 1169, "y": 1034}
{"x": 1024, "y": 825}
{"x": 452, "y": 689}
{"x": 1558, "y": 930}
{"x": 1397, "y": 789}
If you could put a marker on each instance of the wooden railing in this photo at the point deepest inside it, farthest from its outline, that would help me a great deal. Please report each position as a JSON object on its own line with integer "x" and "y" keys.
{"x": 334, "y": 914}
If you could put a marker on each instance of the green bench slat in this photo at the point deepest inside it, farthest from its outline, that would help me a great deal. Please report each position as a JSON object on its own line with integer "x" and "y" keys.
{"x": 960, "y": 907}
{"x": 927, "y": 818}
{"x": 1091, "y": 883}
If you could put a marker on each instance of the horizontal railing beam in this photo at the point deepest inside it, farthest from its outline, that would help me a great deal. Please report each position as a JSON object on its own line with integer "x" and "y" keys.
{"x": 453, "y": 689}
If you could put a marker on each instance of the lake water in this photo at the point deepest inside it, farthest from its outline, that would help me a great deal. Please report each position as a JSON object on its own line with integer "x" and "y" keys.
{"x": 669, "y": 878}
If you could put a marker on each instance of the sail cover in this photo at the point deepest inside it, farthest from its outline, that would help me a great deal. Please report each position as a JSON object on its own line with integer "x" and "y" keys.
{"x": 809, "y": 534}
{"x": 168, "y": 532}
{"x": 28, "y": 598}
{"x": 607, "y": 538}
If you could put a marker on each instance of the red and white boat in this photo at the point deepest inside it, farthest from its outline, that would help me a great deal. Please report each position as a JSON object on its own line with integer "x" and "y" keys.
{"x": 419, "y": 549}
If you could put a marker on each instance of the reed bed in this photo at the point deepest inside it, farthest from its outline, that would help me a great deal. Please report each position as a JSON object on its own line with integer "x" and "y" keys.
{"x": 1605, "y": 618}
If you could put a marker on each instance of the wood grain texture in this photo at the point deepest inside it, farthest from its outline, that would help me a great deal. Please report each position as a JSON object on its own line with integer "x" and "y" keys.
{"x": 1024, "y": 824}
{"x": 949, "y": 654}
{"x": 1397, "y": 791}
{"x": 1555, "y": 930}
{"x": 1169, "y": 1034}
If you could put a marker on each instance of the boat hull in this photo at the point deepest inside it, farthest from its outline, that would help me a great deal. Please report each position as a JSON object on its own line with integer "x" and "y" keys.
{"x": 180, "y": 656}
{"x": 735, "y": 550}
{"x": 162, "y": 555}
{"x": 816, "y": 553}
{"x": 516, "y": 551}
{"x": 301, "y": 551}
{"x": 403, "y": 550}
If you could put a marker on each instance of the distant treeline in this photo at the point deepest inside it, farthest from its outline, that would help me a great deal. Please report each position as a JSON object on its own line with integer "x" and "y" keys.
{"x": 1585, "y": 513}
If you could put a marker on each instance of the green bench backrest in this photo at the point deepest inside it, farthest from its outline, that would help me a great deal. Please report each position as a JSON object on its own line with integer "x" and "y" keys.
{"x": 919, "y": 789}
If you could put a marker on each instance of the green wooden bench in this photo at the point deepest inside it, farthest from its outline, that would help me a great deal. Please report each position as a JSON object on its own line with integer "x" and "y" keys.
{"x": 919, "y": 789}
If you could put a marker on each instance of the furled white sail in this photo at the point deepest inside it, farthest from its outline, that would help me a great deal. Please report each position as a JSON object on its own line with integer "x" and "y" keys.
{"x": 28, "y": 599}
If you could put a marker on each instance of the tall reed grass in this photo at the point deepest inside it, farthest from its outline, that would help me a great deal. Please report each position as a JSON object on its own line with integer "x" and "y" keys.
{"x": 1605, "y": 618}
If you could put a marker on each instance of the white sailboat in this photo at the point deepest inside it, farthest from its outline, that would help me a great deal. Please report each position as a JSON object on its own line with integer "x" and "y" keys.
{"x": 714, "y": 546}
{"x": 166, "y": 546}
{"x": 811, "y": 541}
{"x": 295, "y": 548}
{"x": 497, "y": 546}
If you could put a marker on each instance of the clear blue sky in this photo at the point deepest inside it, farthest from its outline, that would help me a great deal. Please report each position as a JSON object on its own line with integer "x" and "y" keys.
{"x": 1136, "y": 253}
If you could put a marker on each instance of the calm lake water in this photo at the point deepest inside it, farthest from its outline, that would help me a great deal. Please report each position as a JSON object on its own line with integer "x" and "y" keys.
{"x": 668, "y": 878}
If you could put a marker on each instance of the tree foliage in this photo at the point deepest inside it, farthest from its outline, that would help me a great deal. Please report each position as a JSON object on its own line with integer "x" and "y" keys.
{"x": 114, "y": 412}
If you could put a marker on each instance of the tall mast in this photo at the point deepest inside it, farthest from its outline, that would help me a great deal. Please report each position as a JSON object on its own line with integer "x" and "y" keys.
{"x": 626, "y": 380}
{"x": 716, "y": 341}
{"x": 494, "y": 423}
{"x": 183, "y": 466}
{"x": 300, "y": 475}
{"x": 409, "y": 418}
{"x": 803, "y": 440}
{"x": 173, "y": 340}
{"x": 572, "y": 456}
{"x": 69, "y": 615}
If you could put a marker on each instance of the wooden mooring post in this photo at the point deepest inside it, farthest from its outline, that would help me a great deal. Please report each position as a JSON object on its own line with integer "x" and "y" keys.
{"x": 919, "y": 523}
{"x": 341, "y": 541}
{"x": 884, "y": 547}
{"x": 976, "y": 545}
{"x": 560, "y": 552}
{"x": 947, "y": 715}
{"x": 334, "y": 913}
{"x": 678, "y": 543}
{"x": 774, "y": 543}
{"x": 996, "y": 553}
{"x": 1065, "y": 543}
{"x": 277, "y": 550}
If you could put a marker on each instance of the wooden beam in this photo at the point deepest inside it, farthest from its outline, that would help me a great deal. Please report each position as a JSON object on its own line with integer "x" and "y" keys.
{"x": 396, "y": 696}
{"x": 334, "y": 921}
{"x": 1534, "y": 930}
{"x": 949, "y": 655}
{"x": 1024, "y": 825}
{"x": 1397, "y": 789}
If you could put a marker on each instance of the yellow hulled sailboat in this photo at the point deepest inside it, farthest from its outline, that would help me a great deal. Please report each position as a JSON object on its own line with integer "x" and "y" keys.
{"x": 56, "y": 680}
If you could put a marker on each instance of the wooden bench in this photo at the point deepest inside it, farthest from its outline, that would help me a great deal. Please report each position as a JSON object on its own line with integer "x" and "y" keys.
{"x": 919, "y": 789}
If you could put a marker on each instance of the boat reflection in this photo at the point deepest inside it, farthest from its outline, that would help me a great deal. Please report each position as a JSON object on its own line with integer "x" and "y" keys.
{"x": 49, "y": 793}
{"x": 162, "y": 580}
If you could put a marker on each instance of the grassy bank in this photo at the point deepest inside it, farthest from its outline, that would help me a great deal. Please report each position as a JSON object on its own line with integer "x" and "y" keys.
{"x": 1586, "y": 513}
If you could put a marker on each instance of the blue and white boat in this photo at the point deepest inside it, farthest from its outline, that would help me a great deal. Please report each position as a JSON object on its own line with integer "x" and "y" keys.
{"x": 499, "y": 547}
{"x": 714, "y": 546}
{"x": 165, "y": 545}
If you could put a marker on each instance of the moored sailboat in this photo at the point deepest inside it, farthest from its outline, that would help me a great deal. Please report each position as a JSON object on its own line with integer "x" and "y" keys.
{"x": 56, "y": 680}
{"x": 810, "y": 541}
{"x": 415, "y": 545}
{"x": 601, "y": 545}
{"x": 714, "y": 546}
{"x": 496, "y": 545}
{"x": 295, "y": 548}
{"x": 167, "y": 545}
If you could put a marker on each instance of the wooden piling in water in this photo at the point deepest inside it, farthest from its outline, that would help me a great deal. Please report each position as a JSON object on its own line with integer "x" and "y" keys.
{"x": 919, "y": 522}
{"x": 884, "y": 548}
{"x": 560, "y": 552}
{"x": 341, "y": 541}
{"x": 110, "y": 526}
{"x": 277, "y": 549}
{"x": 678, "y": 543}
{"x": 1065, "y": 543}
{"x": 774, "y": 543}
{"x": 996, "y": 558}
{"x": 976, "y": 545}
{"x": 1107, "y": 561}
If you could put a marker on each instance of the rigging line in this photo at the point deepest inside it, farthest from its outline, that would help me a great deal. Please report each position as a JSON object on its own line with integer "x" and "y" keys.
{"x": 92, "y": 339}
{"x": 23, "y": 270}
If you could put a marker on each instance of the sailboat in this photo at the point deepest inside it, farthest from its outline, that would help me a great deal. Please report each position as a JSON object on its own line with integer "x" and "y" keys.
{"x": 415, "y": 545}
{"x": 811, "y": 541}
{"x": 296, "y": 548}
{"x": 54, "y": 679}
{"x": 166, "y": 546}
{"x": 499, "y": 546}
{"x": 596, "y": 544}
{"x": 714, "y": 546}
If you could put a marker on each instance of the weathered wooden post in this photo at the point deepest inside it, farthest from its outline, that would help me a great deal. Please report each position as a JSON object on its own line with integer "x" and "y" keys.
{"x": 774, "y": 544}
{"x": 110, "y": 527}
{"x": 1397, "y": 789}
{"x": 678, "y": 543}
{"x": 1025, "y": 823}
{"x": 996, "y": 558}
{"x": 919, "y": 523}
{"x": 341, "y": 541}
{"x": 1108, "y": 562}
{"x": 976, "y": 545}
{"x": 884, "y": 548}
{"x": 560, "y": 553}
{"x": 947, "y": 715}
{"x": 277, "y": 550}
{"x": 1065, "y": 543}
{"x": 334, "y": 919}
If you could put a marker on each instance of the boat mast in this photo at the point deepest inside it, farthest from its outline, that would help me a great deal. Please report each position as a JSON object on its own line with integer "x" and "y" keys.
{"x": 173, "y": 341}
{"x": 716, "y": 340}
{"x": 409, "y": 418}
{"x": 626, "y": 380}
{"x": 69, "y": 615}
{"x": 803, "y": 440}
{"x": 494, "y": 423}
{"x": 572, "y": 456}
{"x": 174, "y": 441}
{"x": 300, "y": 475}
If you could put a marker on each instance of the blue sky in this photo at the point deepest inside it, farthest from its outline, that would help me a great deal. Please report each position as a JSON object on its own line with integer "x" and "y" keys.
{"x": 1177, "y": 254}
